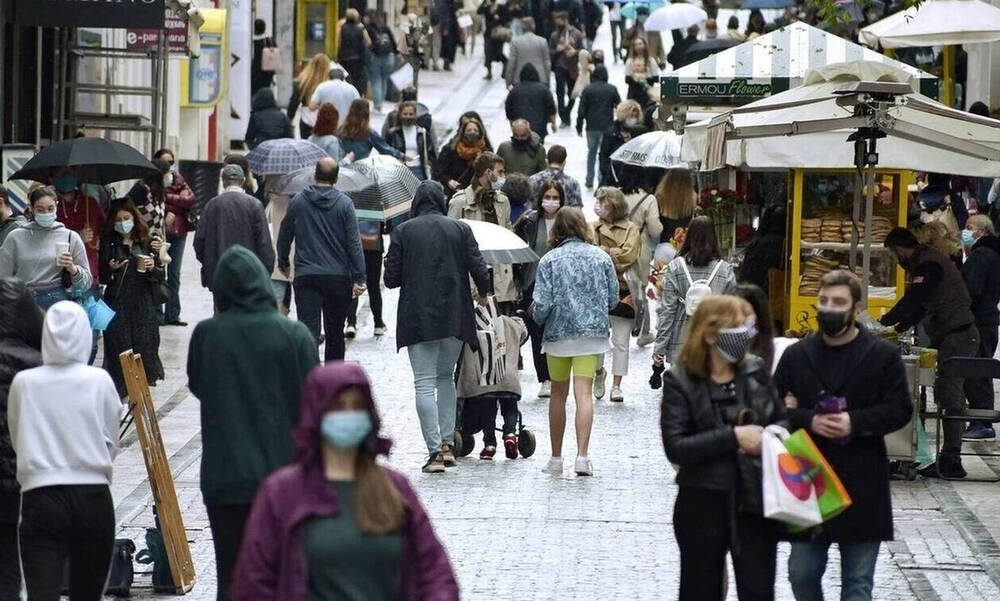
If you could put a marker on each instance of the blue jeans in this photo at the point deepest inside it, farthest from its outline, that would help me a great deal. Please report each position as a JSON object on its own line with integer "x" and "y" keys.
{"x": 172, "y": 310}
{"x": 381, "y": 67}
{"x": 807, "y": 563}
{"x": 433, "y": 366}
{"x": 594, "y": 138}
{"x": 418, "y": 172}
{"x": 50, "y": 296}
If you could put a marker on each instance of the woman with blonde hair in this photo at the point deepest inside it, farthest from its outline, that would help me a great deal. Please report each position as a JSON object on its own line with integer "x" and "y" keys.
{"x": 641, "y": 72}
{"x": 616, "y": 235}
{"x": 716, "y": 403}
{"x": 627, "y": 125}
{"x": 303, "y": 86}
{"x": 675, "y": 197}
{"x": 575, "y": 288}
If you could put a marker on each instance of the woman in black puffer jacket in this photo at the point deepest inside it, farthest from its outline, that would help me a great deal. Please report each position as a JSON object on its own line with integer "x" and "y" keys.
{"x": 20, "y": 348}
{"x": 716, "y": 401}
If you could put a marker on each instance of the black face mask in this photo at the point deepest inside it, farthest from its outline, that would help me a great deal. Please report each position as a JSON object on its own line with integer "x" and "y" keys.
{"x": 832, "y": 322}
{"x": 521, "y": 143}
{"x": 408, "y": 121}
{"x": 471, "y": 137}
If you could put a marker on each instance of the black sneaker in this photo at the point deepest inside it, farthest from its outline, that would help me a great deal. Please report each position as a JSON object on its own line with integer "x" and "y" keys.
{"x": 448, "y": 455}
{"x": 944, "y": 468}
{"x": 434, "y": 465}
{"x": 175, "y": 322}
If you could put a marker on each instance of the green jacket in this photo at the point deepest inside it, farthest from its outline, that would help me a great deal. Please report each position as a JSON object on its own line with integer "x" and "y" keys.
{"x": 246, "y": 365}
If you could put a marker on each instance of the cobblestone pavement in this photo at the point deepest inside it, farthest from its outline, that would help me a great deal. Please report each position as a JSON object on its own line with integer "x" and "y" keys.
{"x": 513, "y": 532}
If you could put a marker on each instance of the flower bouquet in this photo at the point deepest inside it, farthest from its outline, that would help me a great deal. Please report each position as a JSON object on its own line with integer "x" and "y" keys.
{"x": 720, "y": 205}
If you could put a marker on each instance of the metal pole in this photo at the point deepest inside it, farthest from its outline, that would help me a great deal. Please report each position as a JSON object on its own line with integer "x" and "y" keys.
{"x": 869, "y": 207}
{"x": 15, "y": 81}
{"x": 164, "y": 74}
{"x": 154, "y": 99}
{"x": 38, "y": 86}
{"x": 859, "y": 158}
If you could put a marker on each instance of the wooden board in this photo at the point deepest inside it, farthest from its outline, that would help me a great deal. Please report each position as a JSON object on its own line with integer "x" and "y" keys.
{"x": 161, "y": 480}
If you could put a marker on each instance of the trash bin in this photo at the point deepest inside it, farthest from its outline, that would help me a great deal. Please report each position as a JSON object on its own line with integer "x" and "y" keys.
{"x": 203, "y": 177}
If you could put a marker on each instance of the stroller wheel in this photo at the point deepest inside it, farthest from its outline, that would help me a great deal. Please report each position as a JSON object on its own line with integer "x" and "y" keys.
{"x": 464, "y": 444}
{"x": 526, "y": 443}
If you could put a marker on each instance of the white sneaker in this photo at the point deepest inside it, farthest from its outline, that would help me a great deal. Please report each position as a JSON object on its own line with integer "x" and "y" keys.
{"x": 616, "y": 395}
{"x": 554, "y": 466}
{"x": 584, "y": 467}
{"x": 599, "y": 384}
{"x": 645, "y": 340}
{"x": 350, "y": 332}
{"x": 545, "y": 390}
{"x": 380, "y": 331}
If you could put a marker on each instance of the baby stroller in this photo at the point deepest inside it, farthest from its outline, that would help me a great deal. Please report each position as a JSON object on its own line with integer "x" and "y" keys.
{"x": 488, "y": 377}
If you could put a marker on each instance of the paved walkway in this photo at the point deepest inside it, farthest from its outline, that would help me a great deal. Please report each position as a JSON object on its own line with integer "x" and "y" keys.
{"x": 513, "y": 532}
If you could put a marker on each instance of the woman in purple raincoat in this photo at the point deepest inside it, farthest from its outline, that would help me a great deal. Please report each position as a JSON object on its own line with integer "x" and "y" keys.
{"x": 336, "y": 524}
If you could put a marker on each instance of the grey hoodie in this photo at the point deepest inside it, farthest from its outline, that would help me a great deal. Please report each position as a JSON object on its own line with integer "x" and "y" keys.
{"x": 322, "y": 222}
{"x": 29, "y": 254}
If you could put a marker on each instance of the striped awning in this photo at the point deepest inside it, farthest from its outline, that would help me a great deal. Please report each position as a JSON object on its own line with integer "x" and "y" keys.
{"x": 771, "y": 64}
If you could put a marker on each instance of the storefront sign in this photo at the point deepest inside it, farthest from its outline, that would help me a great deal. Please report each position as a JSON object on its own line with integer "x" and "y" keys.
{"x": 203, "y": 79}
{"x": 719, "y": 91}
{"x": 145, "y": 39}
{"x": 89, "y": 13}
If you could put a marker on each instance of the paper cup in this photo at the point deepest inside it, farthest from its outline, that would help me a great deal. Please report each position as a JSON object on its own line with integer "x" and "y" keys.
{"x": 61, "y": 247}
{"x": 140, "y": 263}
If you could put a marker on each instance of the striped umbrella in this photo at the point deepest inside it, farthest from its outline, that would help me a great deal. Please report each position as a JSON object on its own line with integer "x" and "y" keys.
{"x": 284, "y": 155}
{"x": 381, "y": 187}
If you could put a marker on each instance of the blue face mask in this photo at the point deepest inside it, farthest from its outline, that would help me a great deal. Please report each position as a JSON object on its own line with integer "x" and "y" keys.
{"x": 345, "y": 429}
{"x": 967, "y": 238}
{"x": 65, "y": 183}
{"x": 45, "y": 219}
{"x": 124, "y": 227}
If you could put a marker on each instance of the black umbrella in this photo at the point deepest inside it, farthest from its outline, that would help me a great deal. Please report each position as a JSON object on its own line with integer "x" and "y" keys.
{"x": 706, "y": 48}
{"x": 95, "y": 160}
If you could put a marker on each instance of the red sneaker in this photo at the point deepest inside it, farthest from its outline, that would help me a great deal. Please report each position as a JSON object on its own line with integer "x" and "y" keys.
{"x": 510, "y": 445}
{"x": 487, "y": 453}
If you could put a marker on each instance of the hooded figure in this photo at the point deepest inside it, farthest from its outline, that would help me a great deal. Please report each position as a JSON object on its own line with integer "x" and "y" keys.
{"x": 430, "y": 258}
{"x": 267, "y": 121}
{"x": 274, "y": 562}
{"x": 20, "y": 349}
{"x": 531, "y": 100}
{"x": 246, "y": 365}
{"x": 63, "y": 418}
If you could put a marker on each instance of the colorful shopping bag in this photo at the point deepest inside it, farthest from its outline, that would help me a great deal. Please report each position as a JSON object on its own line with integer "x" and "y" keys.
{"x": 832, "y": 496}
{"x": 787, "y": 482}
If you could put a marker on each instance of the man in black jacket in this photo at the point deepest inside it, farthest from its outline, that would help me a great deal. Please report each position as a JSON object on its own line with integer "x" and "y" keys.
{"x": 523, "y": 153}
{"x": 231, "y": 218}
{"x": 329, "y": 262}
{"x": 267, "y": 121}
{"x": 597, "y": 109}
{"x": 981, "y": 272}
{"x": 844, "y": 360}
{"x": 938, "y": 298}
{"x": 531, "y": 100}
{"x": 430, "y": 259}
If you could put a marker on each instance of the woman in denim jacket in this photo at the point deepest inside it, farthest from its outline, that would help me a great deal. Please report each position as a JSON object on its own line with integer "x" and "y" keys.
{"x": 575, "y": 287}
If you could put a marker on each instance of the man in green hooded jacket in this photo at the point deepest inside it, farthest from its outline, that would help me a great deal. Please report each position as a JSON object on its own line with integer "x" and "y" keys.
{"x": 246, "y": 365}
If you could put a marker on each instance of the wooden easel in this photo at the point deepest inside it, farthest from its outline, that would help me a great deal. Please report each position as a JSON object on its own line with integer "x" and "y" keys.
{"x": 161, "y": 480}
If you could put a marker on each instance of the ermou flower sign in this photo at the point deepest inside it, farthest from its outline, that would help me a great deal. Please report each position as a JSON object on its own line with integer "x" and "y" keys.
{"x": 90, "y": 13}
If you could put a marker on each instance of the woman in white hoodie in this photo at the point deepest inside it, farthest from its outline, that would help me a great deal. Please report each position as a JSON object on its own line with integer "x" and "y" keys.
{"x": 49, "y": 258}
{"x": 63, "y": 418}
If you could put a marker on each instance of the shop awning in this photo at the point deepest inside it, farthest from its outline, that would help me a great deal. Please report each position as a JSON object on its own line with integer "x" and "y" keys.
{"x": 771, "y": 64}
{"x": 936, "y": 23}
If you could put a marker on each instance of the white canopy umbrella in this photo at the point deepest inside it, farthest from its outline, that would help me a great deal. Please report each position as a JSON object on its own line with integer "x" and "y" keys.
{"x": 660, "y": 149}
{"x": 936, "y": 23}
{"x": 499, "y": 245}
{"x": 675, "y": 16}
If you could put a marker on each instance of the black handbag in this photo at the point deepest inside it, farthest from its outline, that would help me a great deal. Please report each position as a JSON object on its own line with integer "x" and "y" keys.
{"x": 122, "y": 573}
{"x": 161, "y": 293}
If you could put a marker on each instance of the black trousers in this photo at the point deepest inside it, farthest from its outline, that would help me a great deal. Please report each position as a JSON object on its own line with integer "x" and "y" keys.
{"x": 949, "y": 392}
{"x": 10, "y": 566}
{"x": 373, "y": 279}
{"x": 67, "y": 522}
{"x": 328, "y": 296}
{"x": 480, "y": 414}
{"x": 535, "y": 332}
{"x": 227, "y": 523}
{"x": 704, "y": 530}
{"x": 980, "y": 391}
{"x": 564, "y": 88}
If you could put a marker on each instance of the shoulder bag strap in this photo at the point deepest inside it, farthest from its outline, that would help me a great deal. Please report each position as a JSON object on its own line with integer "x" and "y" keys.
{"x": 684, "y": 266}
{"x": 711, "y": 277}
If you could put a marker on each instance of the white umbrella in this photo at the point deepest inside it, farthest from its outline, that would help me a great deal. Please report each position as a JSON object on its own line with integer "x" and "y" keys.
{"x": 675, "y": 16}
{"x": 499, "y": 245}
{"x": 661, "y": 149}
{"x": 936, "y": 23}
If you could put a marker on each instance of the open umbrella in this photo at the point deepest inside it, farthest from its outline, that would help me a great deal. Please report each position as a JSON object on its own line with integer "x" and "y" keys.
{"x": 628, "y": 10}
{"x": 292, "y": 183}
{"x": 95, "y": 161}
{"x": 499, "y": 245}
{"x": 660, "y": 149}
{"x": 284, "y": 155}
{"x": 752, "y": 4}
{"x": 381, "y": 187}
{"x": 675, "y": 16}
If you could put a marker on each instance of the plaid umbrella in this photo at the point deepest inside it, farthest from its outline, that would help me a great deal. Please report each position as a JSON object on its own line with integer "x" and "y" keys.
{"x": 382, "y": 188}
{"x": 284, "y": 155}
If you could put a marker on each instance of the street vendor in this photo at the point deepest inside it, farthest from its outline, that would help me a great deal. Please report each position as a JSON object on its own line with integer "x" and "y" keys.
{"x": 937, "y": 297}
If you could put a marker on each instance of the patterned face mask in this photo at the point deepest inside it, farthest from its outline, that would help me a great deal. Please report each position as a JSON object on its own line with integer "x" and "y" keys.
{"x": 732, "y": 343}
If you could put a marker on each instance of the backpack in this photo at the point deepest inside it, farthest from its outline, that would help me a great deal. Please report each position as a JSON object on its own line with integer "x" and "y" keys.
{"x": 697, "y": 289}
{"x": 383, "y": 44}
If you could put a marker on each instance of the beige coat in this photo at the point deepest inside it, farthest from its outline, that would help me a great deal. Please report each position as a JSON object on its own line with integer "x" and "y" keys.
{"x": 463, "y": 206}
{"x": 621, "y": 241}
{"x": 644, "y": 212}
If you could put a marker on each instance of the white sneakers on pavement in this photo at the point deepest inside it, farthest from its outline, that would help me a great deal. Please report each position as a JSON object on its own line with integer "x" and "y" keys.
{"x": 600, "y": 383}
{"x": 616, "y": 395}
{"x": 554, "y": 466}
{"x": 583, "y": 467}
{"x": 545, "y": 390}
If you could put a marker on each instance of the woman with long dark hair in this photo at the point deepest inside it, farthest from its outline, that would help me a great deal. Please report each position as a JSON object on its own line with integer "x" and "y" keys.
{"x": 132, "y": 274}
{"x": 495, "y": 15}
{"x": 455, "y": 164}
{"x": 533, "y": 227}
{"x": 715, "y": 407}
{"x": 357, "y": 136}
{"x": 699, "y": 261}
{"x": 336, "y": 524}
